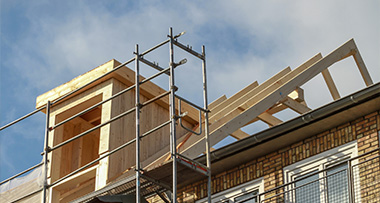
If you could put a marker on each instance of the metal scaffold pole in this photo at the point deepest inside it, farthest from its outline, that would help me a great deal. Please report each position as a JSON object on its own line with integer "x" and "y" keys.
{"x": 46, "y": 151}
{"x": 205, "y": 100}
{"x": 173, "y": 144}
{"x": 137, "y": 112}
{"x": 143, "y": 182}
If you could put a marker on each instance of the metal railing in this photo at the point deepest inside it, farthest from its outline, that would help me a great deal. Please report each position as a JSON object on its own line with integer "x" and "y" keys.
{"x": 353, "y": 180}
{"x": 172, "y": 118}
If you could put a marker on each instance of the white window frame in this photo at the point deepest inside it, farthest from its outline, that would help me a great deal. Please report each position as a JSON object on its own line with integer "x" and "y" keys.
{"x": 230, "y": 194}
{"x": 319, "y": 162}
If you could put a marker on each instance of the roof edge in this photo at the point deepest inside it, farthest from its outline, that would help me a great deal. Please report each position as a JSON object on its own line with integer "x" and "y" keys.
{"x": 327, "y": 110}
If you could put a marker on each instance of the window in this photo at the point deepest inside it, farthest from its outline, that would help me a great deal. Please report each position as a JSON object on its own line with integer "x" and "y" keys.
{"x": 321, "y": 178}
{"x": 337, "y": 183}
{"x": 307, "y": 187}
{"x": 249, "y": 197}
{"x": 243, "y": 193}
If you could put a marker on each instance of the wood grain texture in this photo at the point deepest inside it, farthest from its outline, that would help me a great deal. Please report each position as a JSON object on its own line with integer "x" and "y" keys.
{"x": 277, "y": 92}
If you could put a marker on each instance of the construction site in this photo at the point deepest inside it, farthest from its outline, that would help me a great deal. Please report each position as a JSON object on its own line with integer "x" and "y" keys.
{"x": 113, "y": 135}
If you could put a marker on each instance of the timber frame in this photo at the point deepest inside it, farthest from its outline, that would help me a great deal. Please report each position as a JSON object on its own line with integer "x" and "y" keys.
{"x": 80, "y": 168}
{"x": 260, "y": 102}
{"x": 107, "y": 113}
{"x": 254, "y": 102}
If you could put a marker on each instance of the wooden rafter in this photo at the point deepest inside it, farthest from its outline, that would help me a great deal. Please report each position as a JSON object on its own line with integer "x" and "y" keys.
{"x": 195, "y": 144}
{"x": 273, "y": 97}
{"x": 239, "y": 134}
{"x": 269, "y": 119}
{"x": 216, "y": 110}
{"x": 296, "y": 106}
{"x": 232, "y": 104}
{"x": 296, "y": 95}
{"x": 330, "y": 84}
{"x": 361, "y": 65}
{"x": 279, "y": 91}
{"x": 217, "y": 101}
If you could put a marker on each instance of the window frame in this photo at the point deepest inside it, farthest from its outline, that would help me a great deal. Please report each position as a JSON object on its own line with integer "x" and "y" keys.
{"x": 321, "y": 161}
{"x": 232, "y": 193}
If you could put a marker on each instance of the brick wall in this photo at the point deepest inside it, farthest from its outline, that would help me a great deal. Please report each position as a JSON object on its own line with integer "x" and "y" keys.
{"x": 364, "y": 130}
{"x": 369, "y": 169}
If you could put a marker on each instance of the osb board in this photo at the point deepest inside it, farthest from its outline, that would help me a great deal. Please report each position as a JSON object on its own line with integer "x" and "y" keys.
{"x": 124, "y": 130}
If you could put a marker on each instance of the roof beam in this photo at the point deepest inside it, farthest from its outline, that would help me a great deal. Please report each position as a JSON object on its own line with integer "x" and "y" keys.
{"x": 217, "y": 102}
{"x": 297, "y": 95}
{"x": 234, "y": 119}
{"x": 233, "y": 98}
{"x": 330, "y": 84}
{"x": 269, "y": 119}
{"x": 194, "y": 145}
{"x": 239, "y": 134}
{"x": 219, "y": 119}
{"x": 296, "y": 106}
{"x": 306, "y": 71}
{"x": 237, "y": 102}
{"x": 362, "y": 67}
{"x": 265, "y": 99}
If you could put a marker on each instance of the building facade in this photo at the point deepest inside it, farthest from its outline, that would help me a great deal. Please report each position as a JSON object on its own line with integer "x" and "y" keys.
{"x": 339, "y": 164}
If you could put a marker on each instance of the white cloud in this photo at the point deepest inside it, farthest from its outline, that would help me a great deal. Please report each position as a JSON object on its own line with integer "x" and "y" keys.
{"x": 277, "y": 33}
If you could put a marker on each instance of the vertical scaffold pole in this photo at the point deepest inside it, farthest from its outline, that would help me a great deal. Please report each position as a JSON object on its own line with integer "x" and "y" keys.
{"x": 138, "y": 105}
{"x": 205, "y": 101}
{"x": 46, "y": 151}
{"x": 173, "y": 144}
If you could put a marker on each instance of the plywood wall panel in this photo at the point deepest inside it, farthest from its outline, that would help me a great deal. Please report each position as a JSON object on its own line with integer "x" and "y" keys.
{"x": 124, "y": 130}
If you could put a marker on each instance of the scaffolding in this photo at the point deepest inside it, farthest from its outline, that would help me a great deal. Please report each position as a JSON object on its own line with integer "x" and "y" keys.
{"x": 140, "y": 181}
{"x": 253, "y": 103}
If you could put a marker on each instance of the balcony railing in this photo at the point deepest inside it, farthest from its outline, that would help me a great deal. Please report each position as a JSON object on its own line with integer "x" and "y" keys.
{"x": 353, "y": 180}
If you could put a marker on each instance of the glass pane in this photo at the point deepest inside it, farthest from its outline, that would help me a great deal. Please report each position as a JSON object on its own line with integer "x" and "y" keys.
{"x": 337, "y": 185}
{"x": 308, "y": 190}
{"x": 248, "y": 198}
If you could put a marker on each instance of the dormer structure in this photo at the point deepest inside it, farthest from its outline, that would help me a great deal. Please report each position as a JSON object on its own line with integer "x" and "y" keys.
{"x": 79, "y": 152}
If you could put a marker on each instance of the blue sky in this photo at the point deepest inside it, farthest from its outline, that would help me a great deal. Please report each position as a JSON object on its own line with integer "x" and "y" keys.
{"x": 46, "y": 43}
